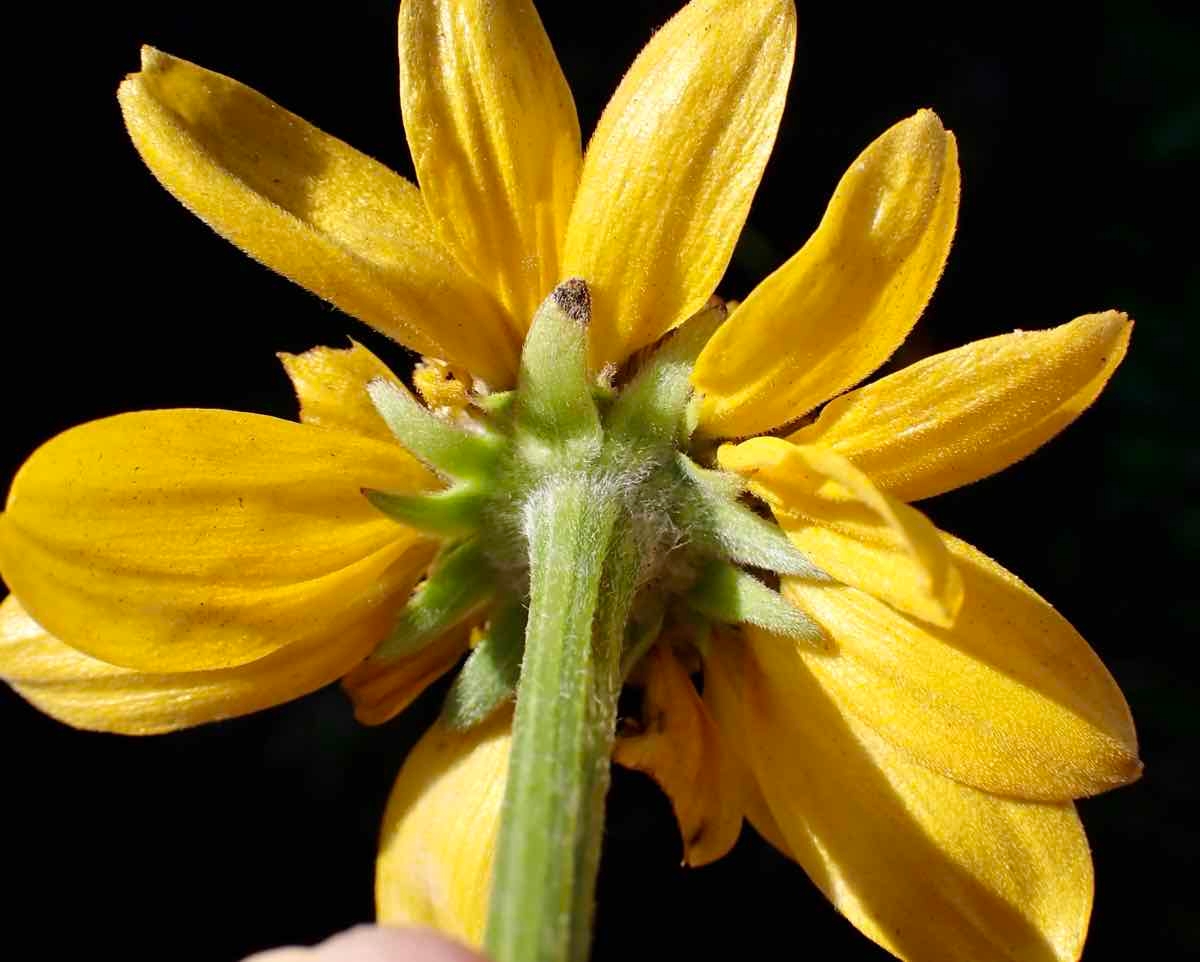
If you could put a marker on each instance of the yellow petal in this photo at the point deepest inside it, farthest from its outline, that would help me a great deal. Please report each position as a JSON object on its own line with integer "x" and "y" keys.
{"x": 381, "y": 690}
{"x": 1010, "y": 699}
{"x": 672, "y": 168}
{"x": 493, "y": 133}
{"x": 924, "y": 866}
{"x": 439, "y": 831}
{"x": 849, "y": 528}
{"x": 959, "y": 416}
{"x": 316, "y": 210}
{"x": 186, "y": 540}
{"x": 681, "y": 750}
{"x": 839, "y": 308}
{"x": 717, "y": 698}
{"x": 758, "y": 814}
{"x": 88, "y": 693}
{"x": 331, "y": 385}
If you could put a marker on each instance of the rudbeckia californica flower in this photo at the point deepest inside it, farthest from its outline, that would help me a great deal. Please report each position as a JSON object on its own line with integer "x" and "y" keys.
{"x": 606, "y": 476}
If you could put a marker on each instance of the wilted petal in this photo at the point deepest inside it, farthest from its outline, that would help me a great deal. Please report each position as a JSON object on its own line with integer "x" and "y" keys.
{"x": 924, "y": 866}
{"x": 316, "y": 210}
{"x": 493, "y": 133}
{"x": 1010, "y": 699}
{"x": 959, "y": 416}
{"x": 849, "y": 528}
{"x": 681, "y": 750}
{"x": 839, "y": 308}
{"x": 673, "y": 166}
{"x": 439, "y": 831}
{"x": 187, "y": 540}
{"x": 382, "y": 689}
{"x": 91, "y": 694}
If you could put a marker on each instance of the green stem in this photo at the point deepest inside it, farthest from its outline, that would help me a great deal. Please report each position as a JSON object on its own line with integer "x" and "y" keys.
{"x": 552, "y": 821}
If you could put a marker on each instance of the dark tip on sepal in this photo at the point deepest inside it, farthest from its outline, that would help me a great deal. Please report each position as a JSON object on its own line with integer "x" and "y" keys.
{"x": 554, "y": 405}
{"x": 574, "y": 299}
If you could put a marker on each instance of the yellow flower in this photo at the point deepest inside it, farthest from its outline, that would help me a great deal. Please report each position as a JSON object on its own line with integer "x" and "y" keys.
{"x": 173, "y": 568}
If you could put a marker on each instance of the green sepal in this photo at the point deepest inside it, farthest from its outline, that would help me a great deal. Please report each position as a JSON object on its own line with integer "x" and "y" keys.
{"x": 450, "y": 450}
{"x": 458, "y": 585}
{"x": 453, "y": 513}
{"x": 554, "y": 405}
{"x": 490, "y": 674}
{"x": 719, "y": 523}
{"x": 653, "y": 407}
{"x": 731, "y": 596}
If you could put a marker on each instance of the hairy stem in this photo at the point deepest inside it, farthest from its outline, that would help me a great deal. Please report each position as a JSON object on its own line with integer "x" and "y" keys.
{"x": 582, "y": 574}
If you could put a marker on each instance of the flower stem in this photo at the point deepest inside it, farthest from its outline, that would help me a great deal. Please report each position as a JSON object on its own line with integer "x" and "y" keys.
{"x": 582, "y": 570}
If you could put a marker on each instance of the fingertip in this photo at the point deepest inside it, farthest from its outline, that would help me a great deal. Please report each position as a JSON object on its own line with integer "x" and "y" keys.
{"x": 373, "y": 943}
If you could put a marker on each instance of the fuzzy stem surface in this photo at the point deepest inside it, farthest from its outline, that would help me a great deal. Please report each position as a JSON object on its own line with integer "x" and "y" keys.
{"x": 581, "y": 579}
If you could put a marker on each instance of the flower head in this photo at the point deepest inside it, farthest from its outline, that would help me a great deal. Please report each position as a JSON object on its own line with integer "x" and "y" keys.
{"x": 886, "y": 705}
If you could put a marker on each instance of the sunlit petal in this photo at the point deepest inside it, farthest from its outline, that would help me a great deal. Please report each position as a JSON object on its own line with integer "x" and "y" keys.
{"x": 849, "y": 528}
{"x": 839, "y": 308}
{"x": 1010, "y": 699}
{"x": 88, "y": 693}
{"x": 924, "y": 866}
{"x": 316, "y": 210}
{"x": 439, "y": 831}
{"x": 185, "y": 540}
{"x": 962, "y": 415}
{"x": 492, "y": 128}
{"x": 673, "y": 166}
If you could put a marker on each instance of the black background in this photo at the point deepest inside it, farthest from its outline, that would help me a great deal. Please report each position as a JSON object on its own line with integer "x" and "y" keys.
{"x": 1079, "y": 129}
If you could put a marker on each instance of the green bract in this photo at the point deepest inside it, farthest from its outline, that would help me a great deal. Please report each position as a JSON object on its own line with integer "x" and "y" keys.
{"x": 627, "y": 446}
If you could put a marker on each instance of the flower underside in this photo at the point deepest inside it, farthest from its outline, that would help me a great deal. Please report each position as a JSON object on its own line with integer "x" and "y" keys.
{"x": 894, "y": 711}
{"x": 691, "y": 534}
